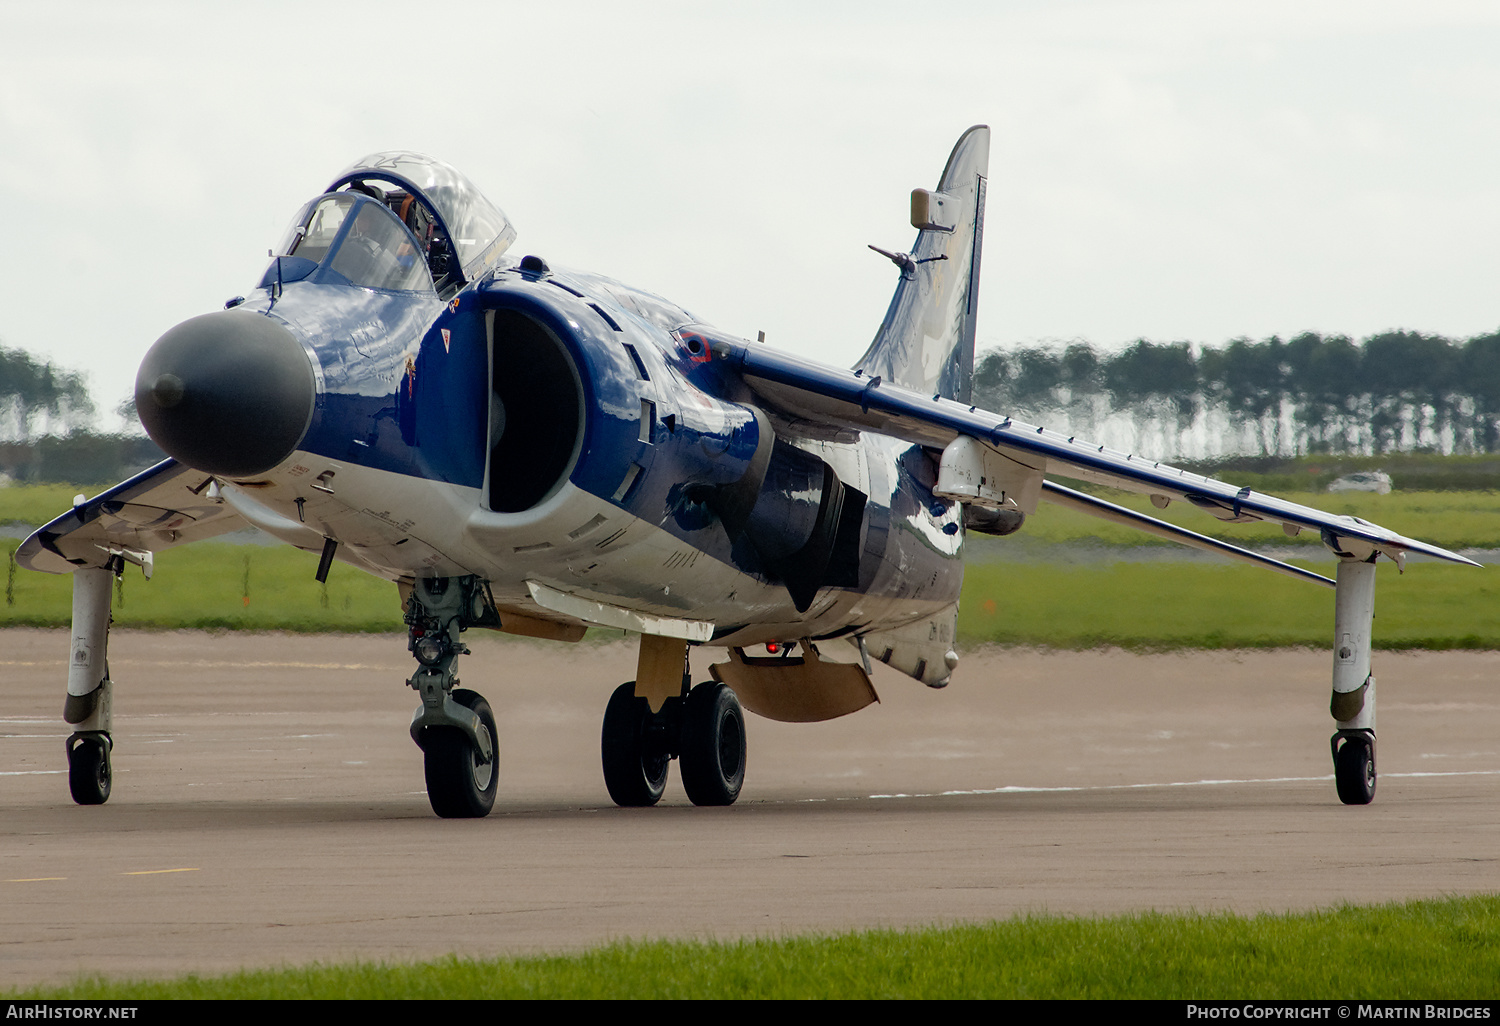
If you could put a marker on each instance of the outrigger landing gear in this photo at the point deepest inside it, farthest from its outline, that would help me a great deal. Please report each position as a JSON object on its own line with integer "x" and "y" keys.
{"x": 1353, "y": 703}
{"x": 88, "y": 709}
{"x": 454, "y": 728}
{"x": 657, "y": 718}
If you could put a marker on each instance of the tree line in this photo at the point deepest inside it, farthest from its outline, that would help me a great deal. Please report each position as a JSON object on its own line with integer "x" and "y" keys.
{"x": 1397, "y": 391}
{"x": 46, "y": 420}
{"x": 35, "y": 394}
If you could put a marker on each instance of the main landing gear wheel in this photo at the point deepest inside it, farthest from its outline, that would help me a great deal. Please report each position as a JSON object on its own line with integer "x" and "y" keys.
{"x": 1354, "y": 770}
{"x": 713, "y": 745}
{"x": 89, "y": 773}
{"x": 635, "y": 749}
{"x": 460, "y": 784}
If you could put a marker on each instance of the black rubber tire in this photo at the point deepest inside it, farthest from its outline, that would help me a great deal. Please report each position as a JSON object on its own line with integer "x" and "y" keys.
{"x": 631, "y": 744}
{"x": 1354, "y": 771}
{"x": 459, "y": 784}
{"x": 713, "y": 745}
{"x": 89, "y": 771}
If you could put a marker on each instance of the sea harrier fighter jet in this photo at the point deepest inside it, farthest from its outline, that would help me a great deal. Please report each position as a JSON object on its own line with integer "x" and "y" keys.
{"x": 534, "y": 449}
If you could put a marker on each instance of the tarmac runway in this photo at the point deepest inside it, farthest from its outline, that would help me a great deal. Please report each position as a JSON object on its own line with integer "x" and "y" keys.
{"x": 268, "y": 803}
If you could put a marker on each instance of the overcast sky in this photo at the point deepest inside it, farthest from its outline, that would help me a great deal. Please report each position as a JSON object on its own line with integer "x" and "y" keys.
{"x": 1170, "y": 170}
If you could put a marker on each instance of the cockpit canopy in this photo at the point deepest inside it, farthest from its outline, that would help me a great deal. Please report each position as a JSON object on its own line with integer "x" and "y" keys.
{"x": 395, "y": 221}
{"x": 479, "y": 231}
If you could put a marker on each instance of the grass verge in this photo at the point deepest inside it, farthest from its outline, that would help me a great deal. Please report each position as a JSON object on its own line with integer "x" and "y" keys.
{"x": 218, "y": 586}
{"x": 1168, "y": 605}
{"x": 1144, "y": 606}
{"x": 1414, "y": 950}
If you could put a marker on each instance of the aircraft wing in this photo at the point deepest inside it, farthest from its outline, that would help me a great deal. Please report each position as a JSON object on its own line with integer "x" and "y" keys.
{"x": 167, "y": 505}
{"x": 820, "y": 397}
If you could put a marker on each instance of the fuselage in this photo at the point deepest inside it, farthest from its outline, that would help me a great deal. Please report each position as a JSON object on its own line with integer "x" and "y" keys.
{"x": 560, "y": 434}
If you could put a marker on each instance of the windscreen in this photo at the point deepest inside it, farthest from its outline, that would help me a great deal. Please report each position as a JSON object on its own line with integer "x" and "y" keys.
{"x": 369, "y": 246}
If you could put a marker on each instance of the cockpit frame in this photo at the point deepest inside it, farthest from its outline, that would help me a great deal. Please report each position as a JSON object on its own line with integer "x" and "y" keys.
{"x": 475, "y": 231}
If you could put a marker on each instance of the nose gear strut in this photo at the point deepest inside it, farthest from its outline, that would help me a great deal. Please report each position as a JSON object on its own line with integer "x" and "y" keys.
{"x": 454, "y": 728}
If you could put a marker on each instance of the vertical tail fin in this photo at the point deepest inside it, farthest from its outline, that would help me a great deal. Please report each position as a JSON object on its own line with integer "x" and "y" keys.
{"x": 926, "y": 342}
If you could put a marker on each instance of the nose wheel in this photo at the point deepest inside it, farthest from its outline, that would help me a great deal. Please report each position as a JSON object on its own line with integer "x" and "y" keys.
{"x": 461, "y": 779}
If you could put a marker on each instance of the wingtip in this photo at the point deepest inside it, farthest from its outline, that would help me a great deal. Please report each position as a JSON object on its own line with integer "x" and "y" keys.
{"x": 1443, "y": 554}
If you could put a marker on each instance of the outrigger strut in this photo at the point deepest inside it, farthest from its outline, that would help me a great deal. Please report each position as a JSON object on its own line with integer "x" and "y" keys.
{"x": 1353, "y": 702}
{"x": 88, "y": 708}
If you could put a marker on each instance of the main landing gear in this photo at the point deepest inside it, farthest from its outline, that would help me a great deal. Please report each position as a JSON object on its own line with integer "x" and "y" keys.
{"x": 702, "y": 727}
{"x": 454, "y": 727}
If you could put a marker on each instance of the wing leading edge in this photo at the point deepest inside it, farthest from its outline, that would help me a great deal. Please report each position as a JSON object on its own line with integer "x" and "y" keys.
{"x": 166, "y": 505}
{"x": 827, "y": 398}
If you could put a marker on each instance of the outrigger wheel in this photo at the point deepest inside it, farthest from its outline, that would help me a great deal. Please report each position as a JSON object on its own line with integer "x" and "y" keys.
{"x": 1354, "y": 766}
{"x": 89, "y": 773}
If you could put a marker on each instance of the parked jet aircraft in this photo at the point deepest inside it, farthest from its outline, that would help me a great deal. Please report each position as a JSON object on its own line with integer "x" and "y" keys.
{"x": 535, "y": 450}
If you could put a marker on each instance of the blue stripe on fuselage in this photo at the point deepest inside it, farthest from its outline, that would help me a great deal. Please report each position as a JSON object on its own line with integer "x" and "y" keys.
{"x": 396, "y": 395}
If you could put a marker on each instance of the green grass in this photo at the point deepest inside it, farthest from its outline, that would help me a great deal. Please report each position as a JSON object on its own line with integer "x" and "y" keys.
{"x": 1157, "y": 606}
{"x": 218, "y": 586}
{"x": 36, "y": 504}
{"x": 1150, "y": 605}
{"x": 1422, "y": 949}
{"x": 1455, "y": 520}
{"x": 1411, "y": 471}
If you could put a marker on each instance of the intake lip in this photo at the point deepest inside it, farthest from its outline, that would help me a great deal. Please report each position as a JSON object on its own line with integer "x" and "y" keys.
{"x": 229, "y": 393}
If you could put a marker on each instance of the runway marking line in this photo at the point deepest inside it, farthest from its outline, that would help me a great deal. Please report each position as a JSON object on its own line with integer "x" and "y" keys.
{"x": 220, "y": 664}
{"x": 29, "y": 773}
{"x": 1021, "y": 789}
{"x": 37, "y": 879}
{"x": 157, "y": 872}
{"x": 262, "y": 665}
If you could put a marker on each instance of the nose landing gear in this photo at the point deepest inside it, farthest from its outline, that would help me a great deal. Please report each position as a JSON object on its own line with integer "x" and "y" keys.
{"x": 455, "y": 728}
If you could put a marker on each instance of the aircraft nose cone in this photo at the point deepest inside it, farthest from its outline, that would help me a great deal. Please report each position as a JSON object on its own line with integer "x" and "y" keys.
{"x": 229, "y": 393}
